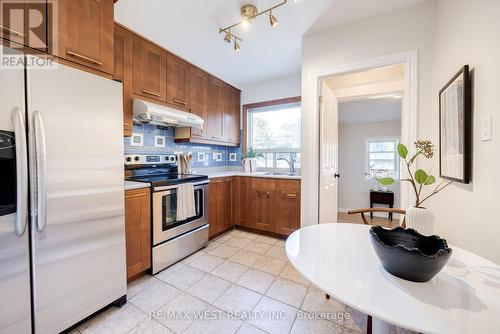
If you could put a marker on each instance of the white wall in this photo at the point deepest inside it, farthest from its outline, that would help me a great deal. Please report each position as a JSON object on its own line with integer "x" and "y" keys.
{"x": 399, "y": 31}
{"x": 447, "y": 35}
{"x": 275, "y": 89}
{"x": 354, "y": 188}
{"x": 466, "y": 32}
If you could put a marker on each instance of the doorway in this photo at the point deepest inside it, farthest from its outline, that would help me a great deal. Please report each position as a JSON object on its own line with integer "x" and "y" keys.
{"x": 363, "y": 116}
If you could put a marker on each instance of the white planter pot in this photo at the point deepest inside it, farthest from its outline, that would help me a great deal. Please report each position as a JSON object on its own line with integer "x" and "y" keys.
{"x": 421, "y": 220}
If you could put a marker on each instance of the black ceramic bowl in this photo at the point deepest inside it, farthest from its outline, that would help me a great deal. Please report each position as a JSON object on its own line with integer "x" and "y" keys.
{"x": 408, "y": 254}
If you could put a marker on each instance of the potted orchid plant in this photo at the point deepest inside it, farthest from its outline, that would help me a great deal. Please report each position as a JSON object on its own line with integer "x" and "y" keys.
{"x": 419, "y": 217}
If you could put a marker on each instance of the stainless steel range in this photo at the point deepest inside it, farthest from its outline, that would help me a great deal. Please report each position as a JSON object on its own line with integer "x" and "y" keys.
{"x": 172, "y": 239}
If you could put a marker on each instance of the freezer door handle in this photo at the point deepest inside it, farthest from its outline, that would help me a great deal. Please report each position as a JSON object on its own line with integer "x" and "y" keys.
{"x": 21, "y": 172}
{"x": 41, "y": 171}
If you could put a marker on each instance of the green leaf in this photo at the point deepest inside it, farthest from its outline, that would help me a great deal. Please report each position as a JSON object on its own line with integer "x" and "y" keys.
{"x": 430, "y": 180}
{"x": 421, "y": 176}
{"x": 386, "y": 181}
{"x": 402, "y": 151}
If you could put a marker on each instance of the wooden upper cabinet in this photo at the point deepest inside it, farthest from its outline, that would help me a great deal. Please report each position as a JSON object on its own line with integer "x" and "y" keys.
{"x": 263, "y": 198}
{"x": 216, "y": 110}
{"x": 234, "y": 115}
{"x": 122, "y": 71}
{"x": 150, "y": 62}
{"x": 288, "y": 206}
{"x": 178, "y": 82}
{"x": 137, "y": 231}
{"x": 199, "y": 99}
{"x": 86, "y": 33}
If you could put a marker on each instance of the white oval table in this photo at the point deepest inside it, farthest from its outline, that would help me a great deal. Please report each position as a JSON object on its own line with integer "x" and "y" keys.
{"x": 338, "y": 258}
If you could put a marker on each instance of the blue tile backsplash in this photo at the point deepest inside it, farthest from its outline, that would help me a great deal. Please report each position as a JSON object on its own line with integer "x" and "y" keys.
{"x": 150, "y": 131}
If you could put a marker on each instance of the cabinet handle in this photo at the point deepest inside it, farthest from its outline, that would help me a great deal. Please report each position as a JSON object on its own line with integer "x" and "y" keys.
{"x": 215, "y": 137}
{"x": 179, "y": 101}
{"x": 290, "y": 196}
{"x": 150, "y": 92}
{"x": 12, "y": 31}
{"x": 136, "y": 195}
{"x": 82, "y": 57}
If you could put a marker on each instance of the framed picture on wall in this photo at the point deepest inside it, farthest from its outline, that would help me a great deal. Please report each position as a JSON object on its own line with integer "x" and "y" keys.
{"x": 455, "y": 128}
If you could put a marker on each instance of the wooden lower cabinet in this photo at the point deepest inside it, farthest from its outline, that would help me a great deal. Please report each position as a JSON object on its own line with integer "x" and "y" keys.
{"x": 263, "y": 208}
{"x": 138, "y": 231}
{"x": 265, "y": 204}
{"x": 288, "y": 206}
{"x": 220, "y": 211}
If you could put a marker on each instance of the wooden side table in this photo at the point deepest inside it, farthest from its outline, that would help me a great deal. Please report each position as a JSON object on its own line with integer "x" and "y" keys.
{"x": 382, "y": 197}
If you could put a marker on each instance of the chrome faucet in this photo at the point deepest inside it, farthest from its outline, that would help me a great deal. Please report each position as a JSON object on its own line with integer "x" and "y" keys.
{"x": 291, "y": 162}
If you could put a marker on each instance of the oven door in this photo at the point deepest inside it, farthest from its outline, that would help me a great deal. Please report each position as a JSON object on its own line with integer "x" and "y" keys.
{"x": 165, "y": 223}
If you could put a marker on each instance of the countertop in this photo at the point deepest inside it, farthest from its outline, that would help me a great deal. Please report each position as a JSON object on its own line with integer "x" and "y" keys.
{"x": 228, "y": 173}
{"x": 130, "y": 185}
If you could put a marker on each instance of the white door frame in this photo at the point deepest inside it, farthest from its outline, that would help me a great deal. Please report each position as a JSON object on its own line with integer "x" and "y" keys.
{"x": 409, "y": 111}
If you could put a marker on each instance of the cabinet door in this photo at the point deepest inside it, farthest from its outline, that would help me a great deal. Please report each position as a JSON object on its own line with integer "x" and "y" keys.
{"x": 122, "y": 71}
{"x": 235, "y": 112}
{"x": 15, "y": 23}
{"x": 178, "y": 82}
{"x": 263, "y": 204}
{"x": 288, "y": 206}
{"x": 231, "y": 109}
{"x": 150, "y": 71}
{"x": 227, "y": 209}
{"x": 137, "y": 231}
{"x": 244, "y": 201}
{"x": 215, "y": 111}
{"x": 215, "y": 189}
{"x": 86, "y": 33}
{"x": 199, "y": 98}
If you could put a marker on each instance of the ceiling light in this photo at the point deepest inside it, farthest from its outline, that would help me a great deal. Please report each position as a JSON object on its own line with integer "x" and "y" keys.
{"x": 248, "y": 14}
{"x": 273, "y": 21}
{"x": 228, "y": 36}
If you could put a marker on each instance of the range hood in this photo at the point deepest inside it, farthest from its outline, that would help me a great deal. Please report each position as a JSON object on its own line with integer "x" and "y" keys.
{"x": 147, "y": 112}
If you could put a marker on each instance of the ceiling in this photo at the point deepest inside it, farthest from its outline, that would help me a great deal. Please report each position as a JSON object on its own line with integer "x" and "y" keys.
{"x": 370, "y": 110}
{"x": 190, "y": 29}
{"x": 345, "y": 11}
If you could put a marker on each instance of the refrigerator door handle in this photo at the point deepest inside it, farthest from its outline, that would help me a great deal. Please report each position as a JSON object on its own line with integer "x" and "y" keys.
{"x": 41, "y": 171}
{"x": 21, "y": 172}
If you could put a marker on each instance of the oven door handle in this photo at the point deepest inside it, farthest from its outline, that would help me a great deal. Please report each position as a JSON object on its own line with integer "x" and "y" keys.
{"x": 21, "y": 172}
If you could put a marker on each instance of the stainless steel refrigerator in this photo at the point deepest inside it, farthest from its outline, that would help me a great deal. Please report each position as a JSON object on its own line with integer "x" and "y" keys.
{"x": 62, "y": 232}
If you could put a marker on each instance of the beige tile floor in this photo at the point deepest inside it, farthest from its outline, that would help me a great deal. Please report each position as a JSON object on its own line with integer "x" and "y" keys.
{"x": 237, "y": 272}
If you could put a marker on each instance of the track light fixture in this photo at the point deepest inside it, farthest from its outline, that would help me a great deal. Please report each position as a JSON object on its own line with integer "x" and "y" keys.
{"x": 273, "y": 21}
{"x": 248, "y": 14}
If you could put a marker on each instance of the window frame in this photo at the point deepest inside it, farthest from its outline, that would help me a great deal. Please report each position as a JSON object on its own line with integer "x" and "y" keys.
{"x": 247, "y": 126}
{"x": 397, "y": 160}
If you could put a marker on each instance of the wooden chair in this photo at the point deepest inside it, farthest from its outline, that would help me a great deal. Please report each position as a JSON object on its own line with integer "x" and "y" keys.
{"x": 371, "y": 210}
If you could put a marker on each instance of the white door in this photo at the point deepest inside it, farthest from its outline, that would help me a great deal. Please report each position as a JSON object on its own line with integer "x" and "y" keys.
{"x": 328, "y": 173}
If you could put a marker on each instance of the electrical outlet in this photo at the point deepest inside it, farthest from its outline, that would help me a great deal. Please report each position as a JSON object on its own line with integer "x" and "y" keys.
{"x": 201, "y": 156}
{"x": 217, "y": 156}
{"x": 486, "y": 128}
{"x": 232, "y": 156}
{"x": 137, "y": 140}
{"x": 160, "y": 141}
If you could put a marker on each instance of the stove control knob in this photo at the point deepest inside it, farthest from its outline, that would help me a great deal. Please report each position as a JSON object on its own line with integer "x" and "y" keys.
{"x": 128, "y": 159}
{"x": 166, "y": 158}
{"x": 172, "y": 159}
{"x": 136, "y": 158}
